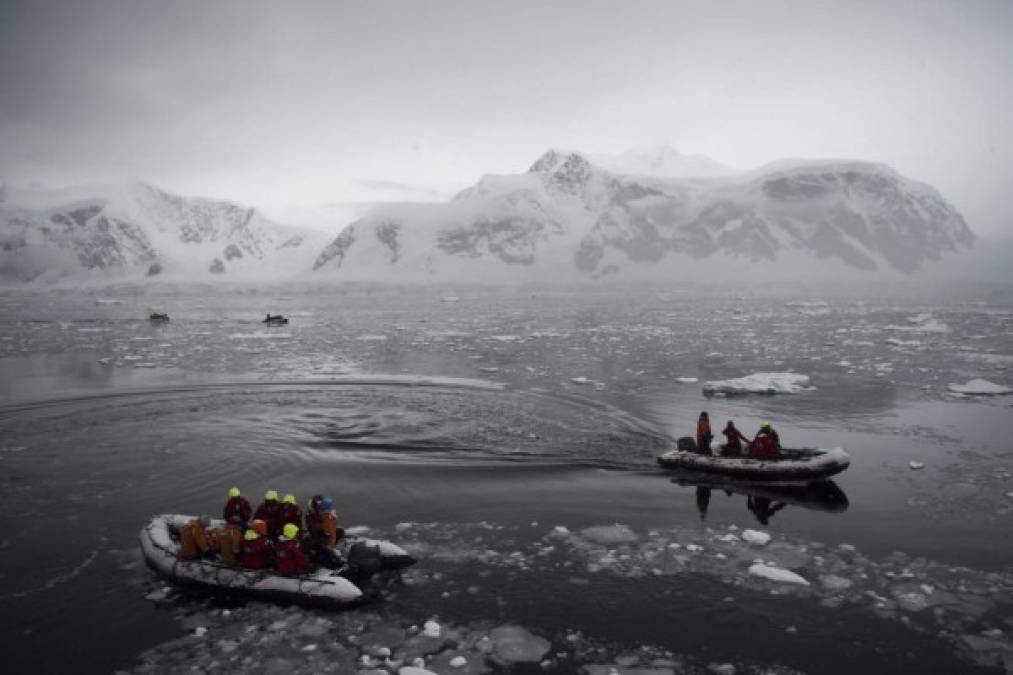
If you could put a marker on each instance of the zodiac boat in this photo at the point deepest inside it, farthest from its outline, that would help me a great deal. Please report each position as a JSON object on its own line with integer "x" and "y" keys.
{"x": 324, "y": 587}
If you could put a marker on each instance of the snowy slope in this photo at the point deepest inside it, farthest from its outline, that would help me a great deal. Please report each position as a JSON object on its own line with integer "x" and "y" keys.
{"x": 136, "y": 230}
{"x": 662, "y": 162}
{"x": 567, "y": 218}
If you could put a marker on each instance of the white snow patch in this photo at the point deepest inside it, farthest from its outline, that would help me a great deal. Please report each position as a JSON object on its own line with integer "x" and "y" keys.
{"x": 761, "y": 383}
{"x": 776, "y": 574}
{"x": 687, "y": 380}
{"x": 916, "y": 465}
{"x": 431, "y": 629}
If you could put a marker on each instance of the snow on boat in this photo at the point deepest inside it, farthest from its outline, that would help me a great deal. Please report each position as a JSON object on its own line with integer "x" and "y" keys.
{"x": 324, "y": 587}
{"x": 803, "y": 465}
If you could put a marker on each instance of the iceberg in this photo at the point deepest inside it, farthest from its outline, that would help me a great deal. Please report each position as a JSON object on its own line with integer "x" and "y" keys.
{"x": 760, "y": 383}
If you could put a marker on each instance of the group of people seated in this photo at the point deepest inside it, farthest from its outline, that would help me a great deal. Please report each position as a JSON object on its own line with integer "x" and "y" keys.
{"x": 765, "y": 445}
{"x": 276, "y": 535}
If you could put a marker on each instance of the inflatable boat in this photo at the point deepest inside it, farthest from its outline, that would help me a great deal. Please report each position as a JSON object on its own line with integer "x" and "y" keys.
{"x": 792, "y": 466}
{"x": 323, "y": 587}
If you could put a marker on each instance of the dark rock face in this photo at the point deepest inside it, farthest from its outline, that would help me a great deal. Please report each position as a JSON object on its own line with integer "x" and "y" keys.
{"x": 232, "y": 252}
{"x": 154, "y": 269}
{"x": 337, "y": 249}
{"x": 217, "y": 266}
{"x": 513, "y": 241}
{"x": 387, "y": 233}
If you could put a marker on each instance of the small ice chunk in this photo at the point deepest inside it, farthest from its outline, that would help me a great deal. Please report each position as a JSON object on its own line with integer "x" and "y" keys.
{"x": 721, "y": 668}
{"x": 458, "y": 662}
{"x": 514, "y": 644}
{"x": 610, "y": 534}
{"x": 413, "y": 670}
{"x": 834, "y": 583}
{"x": 579, "y": 380}
{"x": 687, "y": 380}
{"x": 755, "y": 537}
{"x": 431, "y": 629}
{"x": 980, "y": 387}
{"x": 200, "y": 631}
{"x": 915, "y": 465}
{"x": 776, "y": 574}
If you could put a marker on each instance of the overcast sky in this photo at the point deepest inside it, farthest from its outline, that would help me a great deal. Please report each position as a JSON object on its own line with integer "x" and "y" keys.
{"x": 277, "y": 103}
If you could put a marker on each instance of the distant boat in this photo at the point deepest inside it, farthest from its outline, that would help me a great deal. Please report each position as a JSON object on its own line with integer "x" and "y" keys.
{"x": 158, "y": 316}
{"x": 803, "y": 465}
{"x": 275, "y": 320}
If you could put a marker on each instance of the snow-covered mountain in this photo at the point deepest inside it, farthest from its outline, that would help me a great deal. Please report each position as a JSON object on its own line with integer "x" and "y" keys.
{"x": 136, "y": 230}
{"x": 568, "y": 218}
{"x": 662, "y": 162}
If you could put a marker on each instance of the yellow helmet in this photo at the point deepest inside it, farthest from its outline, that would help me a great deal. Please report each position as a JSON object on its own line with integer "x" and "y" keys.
{"x": 271, "y": 494}
{"x": 764, "y": 425}
{"x": 290, "y": 531}
{"x": 250, "y": 535}
{"x": 289, "y": 498}
{"x": 233, "y": 492}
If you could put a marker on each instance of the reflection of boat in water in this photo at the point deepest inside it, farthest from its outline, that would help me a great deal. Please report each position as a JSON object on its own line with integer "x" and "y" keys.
{"x": 158, "y": 316}
{"x": 275, "y": 320}
{"x": 792, "y": 466}
{"x": 824, "y": 495}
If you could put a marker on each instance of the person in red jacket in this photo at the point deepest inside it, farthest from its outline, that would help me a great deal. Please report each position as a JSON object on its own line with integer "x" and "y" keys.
{"x": 766, "y": 444}
{"x": 703, "y": 434}
{"x": 270, "y": 511}
{"x": 288, "y": 556}
{"x": 237, "y": 510}
{"x": 733, "y": 440}
{"x": 290, "y": 511}
{"x": 257, "y": 552}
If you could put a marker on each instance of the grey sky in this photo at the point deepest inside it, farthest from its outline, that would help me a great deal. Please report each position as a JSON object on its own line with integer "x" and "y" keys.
{"x": 277, "y": 103}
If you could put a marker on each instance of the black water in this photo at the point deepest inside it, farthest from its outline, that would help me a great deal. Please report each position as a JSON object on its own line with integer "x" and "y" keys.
{"x": 522, "y": 410}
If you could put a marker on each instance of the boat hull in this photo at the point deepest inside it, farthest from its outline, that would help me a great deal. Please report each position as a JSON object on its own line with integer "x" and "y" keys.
{"x": 323, "y": 588}
{"x": 797, "y": 467}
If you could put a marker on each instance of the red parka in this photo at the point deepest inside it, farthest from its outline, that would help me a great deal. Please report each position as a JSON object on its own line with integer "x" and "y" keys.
{"x": 290, "y": 513}
{"x": 257, "y": 554}
{"x": 271, "y": 512}
{"x": 238, "y": 508}
{"x": 289, "y": 558}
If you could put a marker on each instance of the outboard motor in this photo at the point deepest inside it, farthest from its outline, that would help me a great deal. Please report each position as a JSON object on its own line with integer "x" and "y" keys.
{"x": 686, "y": 444}
{"x": 364, "y": 560}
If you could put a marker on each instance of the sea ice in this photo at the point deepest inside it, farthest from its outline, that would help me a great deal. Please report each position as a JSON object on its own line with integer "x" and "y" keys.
{"x": 610, "y": 534}
{"x": 776, "y": 574}
{"x": 760, "y": 383}
{"x": 916, "y": 465}
{"x": 514, "y": 644}
{"x": 687, "y": 380}
{"x": 755, "y": 537}
{"x": 980, "y": 387}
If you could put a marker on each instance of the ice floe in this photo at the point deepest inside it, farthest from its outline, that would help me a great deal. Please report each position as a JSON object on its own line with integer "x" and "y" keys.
{"x": 760, "y": 383}
{"x": 755, "y": 537}
{"x": 777, "y": 574}
{"x": 980, "y": 387}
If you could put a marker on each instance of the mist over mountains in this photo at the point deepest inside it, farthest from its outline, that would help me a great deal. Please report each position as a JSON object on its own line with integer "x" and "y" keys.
{"x": 653, "y": 214}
